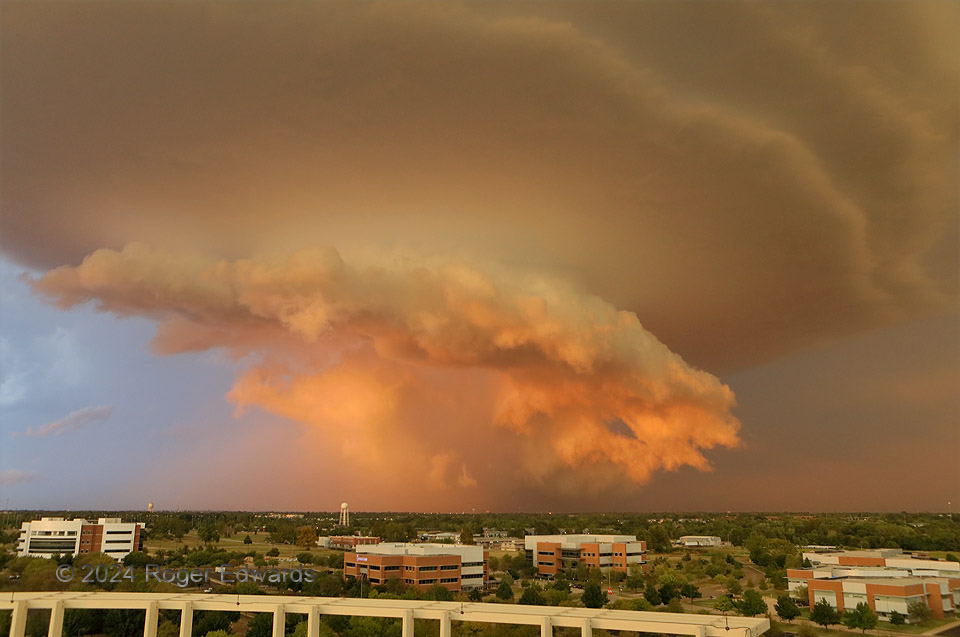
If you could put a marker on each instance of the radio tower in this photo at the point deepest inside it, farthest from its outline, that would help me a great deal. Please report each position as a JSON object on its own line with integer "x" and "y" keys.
{"x": 344, "y": 514}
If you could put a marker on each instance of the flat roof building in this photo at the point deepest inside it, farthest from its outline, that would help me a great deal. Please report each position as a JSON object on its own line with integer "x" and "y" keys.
{"x": 346, "y": 542}
{"x": 551, "y": 554}
{"x": 888, "y": 558}
{"x": 699, "y": 540}
{"x": 455, "y": 567}
{"x": 886, "y": 595}
{"x": 52, "y": 536}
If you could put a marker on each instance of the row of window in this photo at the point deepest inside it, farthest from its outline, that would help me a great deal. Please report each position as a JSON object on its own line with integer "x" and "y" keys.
{"x": 374, "y": 567}
{"x": 52, "y": 533}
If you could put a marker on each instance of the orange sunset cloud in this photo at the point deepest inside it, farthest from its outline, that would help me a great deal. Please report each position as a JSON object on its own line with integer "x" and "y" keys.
{"x": 356, "y": 350}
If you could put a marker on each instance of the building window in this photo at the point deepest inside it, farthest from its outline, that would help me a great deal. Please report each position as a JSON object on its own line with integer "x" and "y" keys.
{"x": 428, "y": 568}
{"x": 448, "y": 580}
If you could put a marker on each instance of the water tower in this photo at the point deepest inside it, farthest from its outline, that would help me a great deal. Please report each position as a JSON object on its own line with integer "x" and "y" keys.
{"x": 149, "y": 507}
{"x": 344, "y": 514}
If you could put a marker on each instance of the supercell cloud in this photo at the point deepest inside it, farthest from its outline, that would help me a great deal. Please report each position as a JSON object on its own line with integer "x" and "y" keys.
{"x": 583, "y": 182}
{"x": 379, "y": 355}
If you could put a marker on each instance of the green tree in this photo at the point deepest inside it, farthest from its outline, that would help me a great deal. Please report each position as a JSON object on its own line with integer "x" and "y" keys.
{"x": 801, "y": 593}
{"x": 504, "y": 590}
{"x": 690, "y": 591}
{"x": 37, "y": 623}
{"x": 218, "y": 633}
{"x": 898, "y": 619}
{"x": 752, "y": 604}
{"x": 657, "y": 539}
{"x": 532, "y": 596}
{"x": 261, "y": 625}
{"x": 122, "y": 622}
{"x": 593, "y": 596}
{"x": 307, "y": 536}
{"x": 466, "y": 536}
{"x": 734, "y": 586}
{"x": 652, "y": 595}
{"x": 81, "y": 621}
{"x": 247, "y": 539}
{"x": 724, "y": 604}
{"x": 168, "y": 629}
{"x": 274, "y": 552}
{"x": 208, "y": 533}
{"x": 861, "y": 617}
{"x": 919, "y": 612}
{"x": 438, "y": 593}
{"x": 476, "y": 595}
{"x": 787, "y": 608}
{"x": 824, "y": 614}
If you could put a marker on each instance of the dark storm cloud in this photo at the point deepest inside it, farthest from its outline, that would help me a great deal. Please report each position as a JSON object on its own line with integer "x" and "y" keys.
{"x": 750, "y": 179}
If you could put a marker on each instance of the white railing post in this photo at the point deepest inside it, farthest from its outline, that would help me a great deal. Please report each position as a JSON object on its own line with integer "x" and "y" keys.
{"x": 18, "y": 623}
{"x": 313, "y": 622}
{"x": 587, "y": 629}
{"x": 56, "y": 620}
{"x": 279, "y": 621}
{"x": 150, "y": 621}
{"x": 546, "y": 629}
{"x": 407, "y": 630}
{"x": 445, "y": 625}
{"x": 186, "y": 620}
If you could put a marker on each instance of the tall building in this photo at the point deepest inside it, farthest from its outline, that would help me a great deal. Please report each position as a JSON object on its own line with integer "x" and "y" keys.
{"x": 455, "y": 567}
{"x": 551, "y": 554}
{"x": 49, "y": 536}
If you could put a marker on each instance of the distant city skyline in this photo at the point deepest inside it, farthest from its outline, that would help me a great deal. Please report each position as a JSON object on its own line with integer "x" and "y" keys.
{"x": 485, "y": 256}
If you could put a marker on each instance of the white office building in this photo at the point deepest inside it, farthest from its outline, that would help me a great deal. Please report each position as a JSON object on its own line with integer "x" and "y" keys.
{"x": 59, "y": 536}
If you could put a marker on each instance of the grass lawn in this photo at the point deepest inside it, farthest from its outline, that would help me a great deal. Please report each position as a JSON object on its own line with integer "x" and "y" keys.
{"x": 261, "y": 544}
{"x": 882, "y": 627}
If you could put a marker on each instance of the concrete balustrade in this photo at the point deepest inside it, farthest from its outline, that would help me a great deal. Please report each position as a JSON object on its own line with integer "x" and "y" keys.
{"x": 586, "y": 619}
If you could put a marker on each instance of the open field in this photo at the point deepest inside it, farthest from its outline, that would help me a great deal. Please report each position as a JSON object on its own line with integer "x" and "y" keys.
{"x": 261, "y": 544}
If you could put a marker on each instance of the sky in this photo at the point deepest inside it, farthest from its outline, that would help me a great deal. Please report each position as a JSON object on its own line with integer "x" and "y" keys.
{"x": 480, "y": 256}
